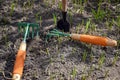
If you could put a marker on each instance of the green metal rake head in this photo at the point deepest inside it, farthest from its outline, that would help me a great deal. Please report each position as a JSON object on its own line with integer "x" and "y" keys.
{"x": 28, "y": 28}
{"x": 56, "y": 33}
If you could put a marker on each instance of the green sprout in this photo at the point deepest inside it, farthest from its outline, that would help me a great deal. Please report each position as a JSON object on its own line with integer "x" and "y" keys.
{"x": 84, "y": 77}
{"x": 37, "y": 16}
{"x": 55, "y": 19}
{"x": 46, "y": 3}
{"x": 81, "y": 7}
{"x": 53, "y": 1}
{"x": 71, "y": 21}
{"x": 87, "y": 25}
{"x": 60, "y": 5}
{"x": 101, "y": 60}
{"x": 12, "y": 9}
{"x": 40, "y": 21}
{"x": 60, "y": 39}
{"x": 115, "y": 59}
{"x": 47, "y": 51}
{"x": 117, "y": 21}
{"x": 74, "y": 73}
{"x": 84, "y": 56}
{"x": 62, "y": 58}
{"x": 91, "y": 57}
{"x": 74, "y": 50}
{"x": 99, "y": 14}
{"x": 29, "y": 3}
{"x": 93, "y": 27}
{"x": 109, "y": 1}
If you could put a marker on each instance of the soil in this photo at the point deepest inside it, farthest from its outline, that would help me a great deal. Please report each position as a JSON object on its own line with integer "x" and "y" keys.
{"x": 58, "y": 58}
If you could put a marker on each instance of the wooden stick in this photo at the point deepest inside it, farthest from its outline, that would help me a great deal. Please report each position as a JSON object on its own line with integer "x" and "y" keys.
{"x": 64, "y": 5}
{"x": 19, "y": 63}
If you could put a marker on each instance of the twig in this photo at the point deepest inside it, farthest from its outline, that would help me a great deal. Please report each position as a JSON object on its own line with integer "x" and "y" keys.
{"x": 48, "y": 28}
{"x": 3, "y": 73}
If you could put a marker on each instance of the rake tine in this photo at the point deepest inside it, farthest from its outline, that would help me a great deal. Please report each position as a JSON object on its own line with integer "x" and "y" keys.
{"x": 32, "y": 31}
{"x": 50, "y": 35}
{"x": 59, "y": 33}
{"x": 37, "y": 31}
{"x": 28, "y": 32}
{"x": 34, "y": 26}
{"x": 24, "y": 29}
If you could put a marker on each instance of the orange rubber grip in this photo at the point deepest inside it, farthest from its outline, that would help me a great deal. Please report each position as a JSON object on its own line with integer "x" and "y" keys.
{"x": 93, "y": 40}
{"x": 19, "y": 63}
{"x": 97, "y": 40}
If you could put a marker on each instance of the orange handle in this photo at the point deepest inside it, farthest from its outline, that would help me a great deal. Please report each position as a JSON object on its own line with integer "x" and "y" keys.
{"x": 97, "y": 40}
{"x": 19, "y": 63}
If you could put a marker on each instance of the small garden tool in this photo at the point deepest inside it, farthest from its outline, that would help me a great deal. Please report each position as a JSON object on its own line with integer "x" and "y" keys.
{"x": 96, "y": 40}
{"x": 63, "y": 24}
{"x": 20, "y": 57}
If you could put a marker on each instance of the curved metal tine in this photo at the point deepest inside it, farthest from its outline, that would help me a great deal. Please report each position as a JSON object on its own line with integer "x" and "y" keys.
{"x": 58, "y": 32}
{"x": 55, "y": 31}
{"x": 28, "y": 32}
{"x": 49, "y": 35}
{"x": 33, "y": 31}
{"x": 24, "y": 29}
{"x": 54, "y": 34}
{"x": 37, "y": 34}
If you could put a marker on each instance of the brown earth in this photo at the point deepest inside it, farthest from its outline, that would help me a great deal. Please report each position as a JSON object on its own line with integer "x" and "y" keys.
{"x": 59, "y": 58}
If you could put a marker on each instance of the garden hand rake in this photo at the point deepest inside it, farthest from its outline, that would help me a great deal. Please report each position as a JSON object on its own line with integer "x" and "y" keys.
{"x": 20, "y": 57}
{"x": 96, "y": 40}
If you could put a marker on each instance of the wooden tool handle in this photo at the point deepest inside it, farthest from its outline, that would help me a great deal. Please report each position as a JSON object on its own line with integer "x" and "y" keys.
{"x": 64, "y": 5}
{"x": 97, "y": 40}
{"x": 19, "y": 63}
